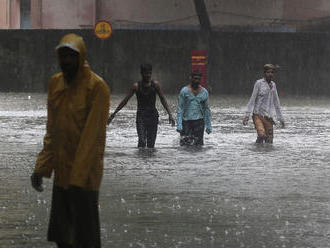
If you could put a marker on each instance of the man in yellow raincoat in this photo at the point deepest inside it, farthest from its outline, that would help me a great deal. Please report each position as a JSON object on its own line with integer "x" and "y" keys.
{"x": 78, "y": 107}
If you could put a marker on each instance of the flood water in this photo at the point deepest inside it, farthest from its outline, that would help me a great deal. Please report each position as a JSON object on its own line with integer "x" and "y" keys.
{"x": 231, "y": 193}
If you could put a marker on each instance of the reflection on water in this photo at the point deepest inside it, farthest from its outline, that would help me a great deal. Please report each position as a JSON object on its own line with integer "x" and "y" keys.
{"x": 229, "y": 193}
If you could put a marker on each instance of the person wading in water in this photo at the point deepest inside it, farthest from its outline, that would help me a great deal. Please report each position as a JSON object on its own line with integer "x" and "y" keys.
{"x": 193, "y": 113}
{"x": 265, "y": 105}
{"x": 147, "y": 114}
{"x": 77, "y": 113}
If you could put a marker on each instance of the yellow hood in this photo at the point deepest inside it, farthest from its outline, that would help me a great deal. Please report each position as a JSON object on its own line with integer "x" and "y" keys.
{"x": 76, "y": 43}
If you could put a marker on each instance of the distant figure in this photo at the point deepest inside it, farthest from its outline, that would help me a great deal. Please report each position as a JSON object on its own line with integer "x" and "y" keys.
{"x": 77, "y": 109}
{"x": 264, "y": 103}
{"x": 147, "y": 114}
{"x": 193, "y": 113}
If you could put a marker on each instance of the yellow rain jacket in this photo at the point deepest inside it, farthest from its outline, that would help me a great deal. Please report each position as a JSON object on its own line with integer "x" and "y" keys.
{"x": 76, "y": 125}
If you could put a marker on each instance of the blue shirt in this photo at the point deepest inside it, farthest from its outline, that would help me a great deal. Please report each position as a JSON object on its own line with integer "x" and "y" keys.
{"x": 191, "y": 107}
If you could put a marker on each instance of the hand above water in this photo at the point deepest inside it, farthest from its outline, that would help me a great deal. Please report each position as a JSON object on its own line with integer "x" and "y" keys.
{"x": 245, "y": 120}
{"x": 111, "y": 118}
{"x": 171, "y": 121}
{"x": 36, "y": 181}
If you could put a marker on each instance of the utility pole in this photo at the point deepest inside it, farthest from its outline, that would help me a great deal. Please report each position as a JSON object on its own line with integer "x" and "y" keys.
{"x": 97, "y": 10}
{"x": 203, "y": 16}
{"x": 199, "y": 57}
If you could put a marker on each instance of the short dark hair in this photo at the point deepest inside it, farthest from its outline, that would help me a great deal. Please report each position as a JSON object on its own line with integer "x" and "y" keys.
{"x": 196, "y": 73}
{"x": 145, "y": 67}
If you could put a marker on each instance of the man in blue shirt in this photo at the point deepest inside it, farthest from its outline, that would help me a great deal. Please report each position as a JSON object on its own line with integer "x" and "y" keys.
{"x": 193, "y": 113}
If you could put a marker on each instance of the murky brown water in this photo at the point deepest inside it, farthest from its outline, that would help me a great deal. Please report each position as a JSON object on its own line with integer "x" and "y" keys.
{"x": 230, "y": 193}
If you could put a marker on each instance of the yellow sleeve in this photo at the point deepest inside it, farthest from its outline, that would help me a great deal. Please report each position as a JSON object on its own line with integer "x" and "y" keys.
{"x": 44, "y": 164}
{"x": 92, "y": 141}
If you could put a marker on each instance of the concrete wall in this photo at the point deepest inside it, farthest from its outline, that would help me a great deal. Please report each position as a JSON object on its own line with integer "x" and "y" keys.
{"x": 276, "y": 15}
{"x": 279, "y": 15}
{"x": 237, "y": 60}
{"x": 4, "y": 14}
{"x": 64, "y": 14}
{"x": 9, "y": 14}
{"x": 134, "y": 13}
{"x": 75, "y": 14}
{"x": 306, "y": 9}
{"x": 244, "y": 13}
{"x": 27, "y": 59}
{"x": 36, "y": 14}
{"x": 14, "y": 14}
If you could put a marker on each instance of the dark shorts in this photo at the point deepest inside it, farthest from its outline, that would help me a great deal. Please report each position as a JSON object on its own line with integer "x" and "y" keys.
{"x": 192, "y": 132}
{"x": 146, "y": 127}
{"x": 74, "y": 218}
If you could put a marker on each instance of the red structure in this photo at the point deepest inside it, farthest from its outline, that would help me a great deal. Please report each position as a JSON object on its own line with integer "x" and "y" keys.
{"x": 199, "y": 62}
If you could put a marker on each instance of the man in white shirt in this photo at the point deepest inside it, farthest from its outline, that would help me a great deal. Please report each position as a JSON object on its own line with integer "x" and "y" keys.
{"x": 265, "y": 105}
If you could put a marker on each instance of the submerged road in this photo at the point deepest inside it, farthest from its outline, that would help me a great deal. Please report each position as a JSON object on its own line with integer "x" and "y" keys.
{"x": 231, "y": 193}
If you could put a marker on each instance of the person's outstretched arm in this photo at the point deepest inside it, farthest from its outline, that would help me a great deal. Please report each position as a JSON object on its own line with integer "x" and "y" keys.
{"x": 179, "y": 113}
{"x": 250, "y": 106}
{"x": 278, "y": 108}
{"x": 130, "y": 93}
{"x": 164, "y": 103}
{"x": 45, "y": 164}
{"x": 207, "y": 115}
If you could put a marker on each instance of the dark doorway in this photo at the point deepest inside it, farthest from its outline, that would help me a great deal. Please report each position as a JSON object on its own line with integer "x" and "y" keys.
{"x": 25, "y": 10}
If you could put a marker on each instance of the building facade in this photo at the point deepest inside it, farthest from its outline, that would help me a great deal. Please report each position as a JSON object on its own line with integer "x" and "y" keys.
{"x": 127, "y": 14}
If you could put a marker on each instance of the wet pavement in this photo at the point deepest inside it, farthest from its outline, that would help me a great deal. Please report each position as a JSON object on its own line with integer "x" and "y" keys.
{"x": 230, "y": 193}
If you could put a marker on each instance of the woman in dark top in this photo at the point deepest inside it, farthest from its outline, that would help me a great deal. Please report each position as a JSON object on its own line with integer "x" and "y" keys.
{"x": 147, "y": 114}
